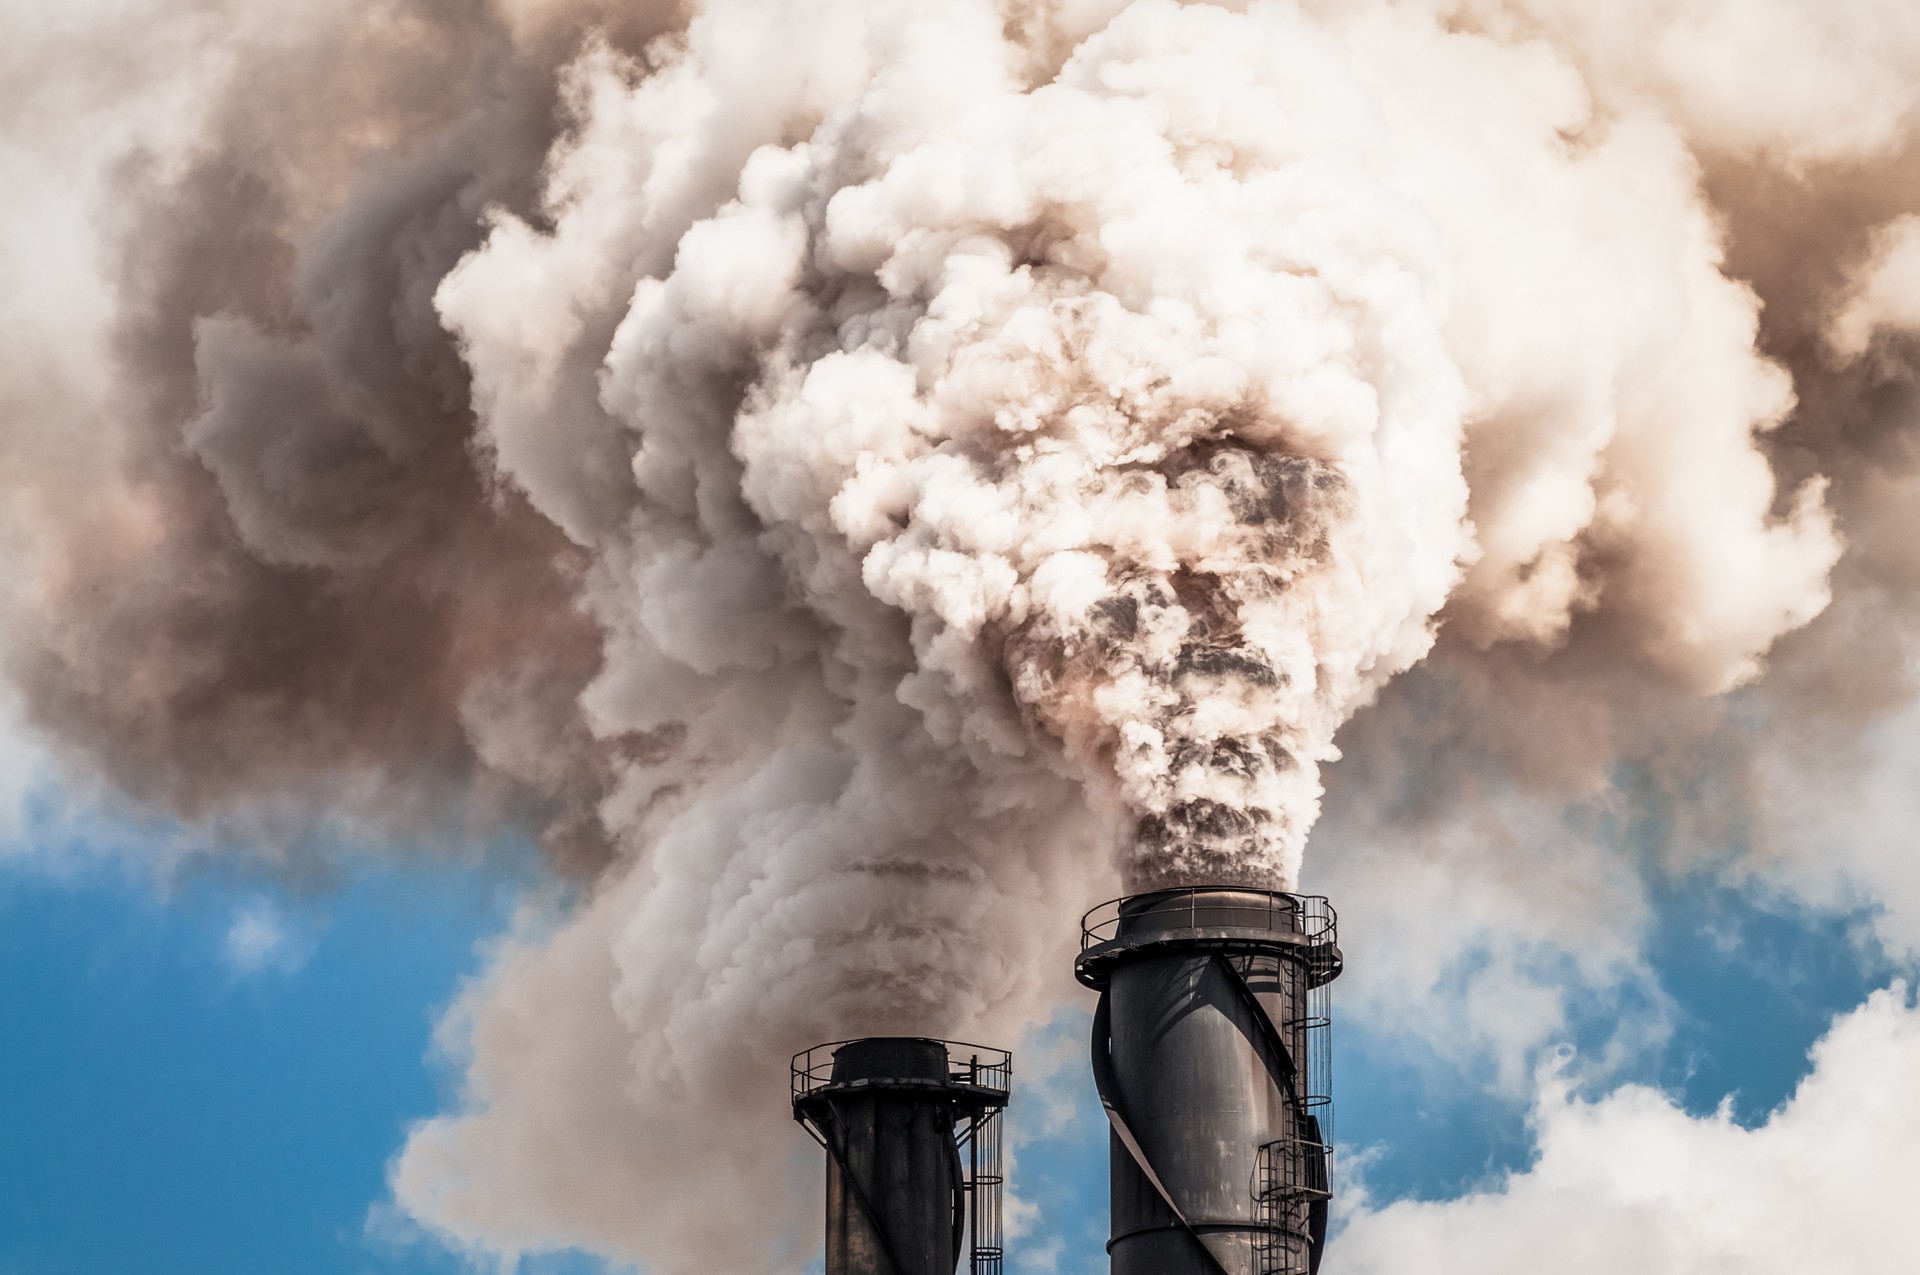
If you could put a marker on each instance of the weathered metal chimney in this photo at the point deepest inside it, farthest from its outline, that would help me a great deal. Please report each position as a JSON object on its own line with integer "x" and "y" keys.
{"x": 912, "y": 1132}
{"x": 1210, "y": 1050}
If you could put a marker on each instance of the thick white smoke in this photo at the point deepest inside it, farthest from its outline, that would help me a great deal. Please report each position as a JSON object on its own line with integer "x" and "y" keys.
{"x": 1138, "y": 393}
{"x": 991, "y": 420}
{"x": 863, "y": 480}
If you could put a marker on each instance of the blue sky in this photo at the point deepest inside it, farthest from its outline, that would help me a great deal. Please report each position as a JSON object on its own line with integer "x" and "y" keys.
{"x": 170, "y": 1109}
{"x": 173, "y": 1104}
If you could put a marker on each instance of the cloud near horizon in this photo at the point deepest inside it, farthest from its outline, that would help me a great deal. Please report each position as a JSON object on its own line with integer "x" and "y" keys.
{"x": 1630, "y": 1182}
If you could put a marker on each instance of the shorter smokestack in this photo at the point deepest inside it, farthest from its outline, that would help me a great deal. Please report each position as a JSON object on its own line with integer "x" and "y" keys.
{"x": 912, "y": 1132}
{"x": 1211, "y": 1055}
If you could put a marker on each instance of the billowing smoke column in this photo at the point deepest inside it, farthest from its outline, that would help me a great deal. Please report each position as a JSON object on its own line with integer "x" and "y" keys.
{"x": 1210, "y": 1054}
{"x": 1149, "y": 439}
{"x": 911, "y": 1129}
{"x": 858, "y": 479}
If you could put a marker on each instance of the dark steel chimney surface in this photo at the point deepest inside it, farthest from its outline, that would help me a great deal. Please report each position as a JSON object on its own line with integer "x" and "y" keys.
{"x": 912, "y": 1135}
{"x": 1211, "y": 1055}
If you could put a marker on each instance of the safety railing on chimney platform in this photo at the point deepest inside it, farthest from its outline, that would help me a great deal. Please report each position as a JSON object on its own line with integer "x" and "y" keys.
{"x": 981, "y": 1077}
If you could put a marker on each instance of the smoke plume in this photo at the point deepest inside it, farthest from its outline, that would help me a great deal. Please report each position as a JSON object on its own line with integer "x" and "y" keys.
{"x": 859, "y": 481}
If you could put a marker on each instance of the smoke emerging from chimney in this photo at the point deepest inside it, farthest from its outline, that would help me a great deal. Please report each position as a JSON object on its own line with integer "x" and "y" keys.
{"x": 1124, "y": 387}
{"x": 1133, "y": 413}
{"x": 859, "y": 480}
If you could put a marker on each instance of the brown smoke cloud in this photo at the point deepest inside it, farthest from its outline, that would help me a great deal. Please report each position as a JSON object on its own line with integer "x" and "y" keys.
{"x": 291, "y": 578}
{"x": 858, "y": 482}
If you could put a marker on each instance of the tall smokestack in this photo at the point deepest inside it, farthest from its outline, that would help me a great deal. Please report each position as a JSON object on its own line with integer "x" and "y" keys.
{"x": 1210, "y": 1049}
{"x": 912, "y": 1132}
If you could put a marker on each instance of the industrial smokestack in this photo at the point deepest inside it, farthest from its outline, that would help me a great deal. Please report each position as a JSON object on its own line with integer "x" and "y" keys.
{"x": 912, "y": 1132}
{"x": 1210, "y": 1049}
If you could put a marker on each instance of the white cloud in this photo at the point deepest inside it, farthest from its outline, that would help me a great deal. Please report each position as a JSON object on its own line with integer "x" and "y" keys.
{"x": 1849, "y": 844}
{"x": 1632, "y": 1183}
{"x": 261, "y": 941}
{"x": 1476, "y": 951}
{"x": 24, "y": 774}
{"x": 1053, "y": 1105}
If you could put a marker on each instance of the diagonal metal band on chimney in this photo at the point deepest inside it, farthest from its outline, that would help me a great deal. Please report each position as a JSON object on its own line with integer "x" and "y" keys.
{"x": 1210, "y": 1050}
{"x": 912, "y": 1132}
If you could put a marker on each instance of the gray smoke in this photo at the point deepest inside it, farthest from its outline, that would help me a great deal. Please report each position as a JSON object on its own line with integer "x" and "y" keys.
{"x": 860, "y": 481}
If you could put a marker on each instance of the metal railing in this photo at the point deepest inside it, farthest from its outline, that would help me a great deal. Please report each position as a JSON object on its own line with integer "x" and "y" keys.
{"x": 1307, "y": 916}
{"x": 1291, "y": 1174}
{"x": 975, "y": 1066}
{"x": 1293, "y": 1168}
{"x": 976, "y": 1084}
{"x": 986, "y": 1240}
